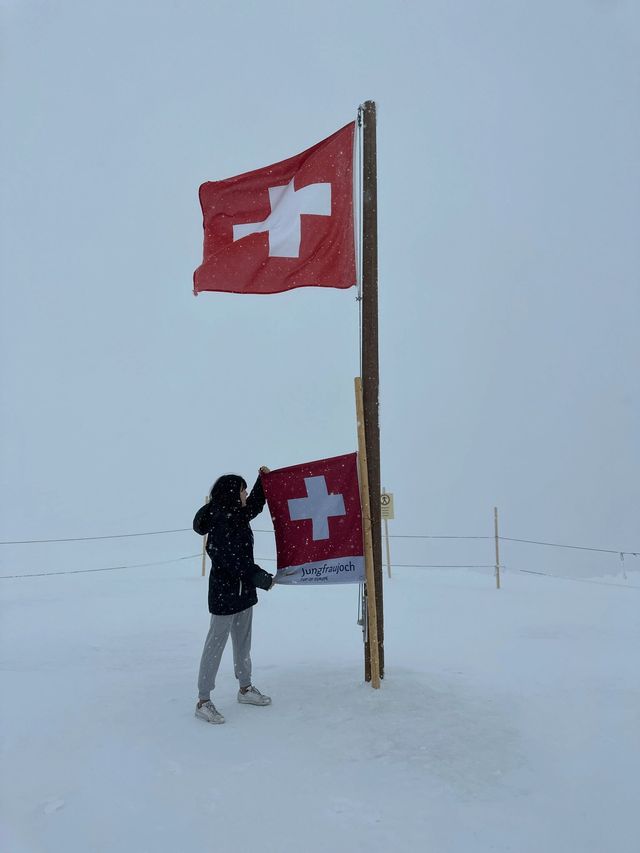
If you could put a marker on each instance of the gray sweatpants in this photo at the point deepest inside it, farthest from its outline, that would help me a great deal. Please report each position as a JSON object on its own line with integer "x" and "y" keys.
{"x": 239, "y": 626}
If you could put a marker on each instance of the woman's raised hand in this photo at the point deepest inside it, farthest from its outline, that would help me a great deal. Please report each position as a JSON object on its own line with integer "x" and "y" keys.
{"x": 264, "y": 469}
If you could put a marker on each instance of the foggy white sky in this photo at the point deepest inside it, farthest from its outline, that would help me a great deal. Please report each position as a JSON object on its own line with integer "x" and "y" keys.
{"x": 509, "y": 204}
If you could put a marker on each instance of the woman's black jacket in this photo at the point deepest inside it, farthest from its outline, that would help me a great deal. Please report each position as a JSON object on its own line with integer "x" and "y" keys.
{"x": 234, "y": 576}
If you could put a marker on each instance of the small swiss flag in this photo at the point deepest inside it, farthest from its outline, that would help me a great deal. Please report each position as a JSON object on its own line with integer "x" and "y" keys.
{"x": 317, "y": 520}
{"x": 285, "y": 226}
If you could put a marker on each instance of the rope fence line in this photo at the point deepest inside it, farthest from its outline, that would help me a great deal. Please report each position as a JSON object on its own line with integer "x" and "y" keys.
{"x": 104, "y": 569}
{"x": 190, "y": 530}
{"x": 261, "y": 559}
{"x": 272, "y": 560}
{"x": 261, "y": 530}
{"x": 575, "y": 580}
{"x": 94, "y": 538}
{"x": 576, "y": 547}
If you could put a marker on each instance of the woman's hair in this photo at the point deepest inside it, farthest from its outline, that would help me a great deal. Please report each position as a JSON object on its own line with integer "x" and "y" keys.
{"x": 225, "y": 492}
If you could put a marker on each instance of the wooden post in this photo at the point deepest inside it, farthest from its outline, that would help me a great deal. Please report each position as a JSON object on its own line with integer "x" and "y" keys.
{"x": 386, "y": 539}
{"x": 495, "y": 527}
{"x": 204, "y": 546}
{"x": 370, "y": 360}
{"x": 372, "y": 617}
{"x": 624, "y": 571}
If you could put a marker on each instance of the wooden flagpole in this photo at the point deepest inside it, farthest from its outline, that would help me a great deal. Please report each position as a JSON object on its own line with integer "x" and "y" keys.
{"x": 372, "y": 617}
{"x": 370, "y": 363}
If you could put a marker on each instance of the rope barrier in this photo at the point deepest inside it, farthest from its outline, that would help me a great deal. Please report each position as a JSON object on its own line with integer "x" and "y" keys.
{"x": 94, "y": 538}
{"x": 117, "y": 568}
{"x": 575, "y": 580}
{"x": 272, "y": 560}
{"x": 262, "y": 530}
{"x": 104, "y": 569}
{"x": 576, "y": 547}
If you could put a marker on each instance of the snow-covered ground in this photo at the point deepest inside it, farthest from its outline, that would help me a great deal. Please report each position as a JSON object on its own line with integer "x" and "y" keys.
{"x": 508, "y": 721}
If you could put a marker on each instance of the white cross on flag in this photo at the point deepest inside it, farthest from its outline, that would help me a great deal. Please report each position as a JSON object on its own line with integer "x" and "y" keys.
{"x": 317, "y": 520}
{"x": 284, "y": 226}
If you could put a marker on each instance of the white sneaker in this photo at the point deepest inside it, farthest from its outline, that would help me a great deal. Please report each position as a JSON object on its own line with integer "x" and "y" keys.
{"x": 253, "y": 697}
{"x": 209, "y": 713}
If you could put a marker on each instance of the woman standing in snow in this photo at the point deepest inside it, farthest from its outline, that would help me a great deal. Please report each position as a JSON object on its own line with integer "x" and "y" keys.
{"x": 232, "y": 586}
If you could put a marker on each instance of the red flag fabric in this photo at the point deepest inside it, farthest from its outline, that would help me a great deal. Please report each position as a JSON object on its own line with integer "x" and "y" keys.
{"x": 317, "y": 520}
{"x": 285, "y": 226}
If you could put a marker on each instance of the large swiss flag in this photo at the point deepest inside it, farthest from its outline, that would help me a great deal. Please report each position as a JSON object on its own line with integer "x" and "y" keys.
{"x": 284, "y": 226}
{"x": 317, "y": 520}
